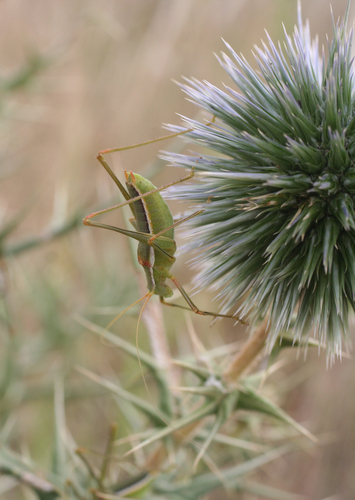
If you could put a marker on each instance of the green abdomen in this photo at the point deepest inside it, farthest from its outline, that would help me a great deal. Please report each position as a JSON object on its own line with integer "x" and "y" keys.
{"x": 152, "y": 215}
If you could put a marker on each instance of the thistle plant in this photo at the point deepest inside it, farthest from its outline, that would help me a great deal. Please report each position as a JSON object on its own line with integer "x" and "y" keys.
{"x": 277, "y": 237}
{"x": 278, "y": 190}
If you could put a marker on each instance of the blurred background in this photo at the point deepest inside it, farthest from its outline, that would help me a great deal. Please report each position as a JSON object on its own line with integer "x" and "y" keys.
{"x": 77, "y": 77}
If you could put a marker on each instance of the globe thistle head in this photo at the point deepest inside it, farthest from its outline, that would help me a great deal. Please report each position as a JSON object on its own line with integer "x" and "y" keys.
{"x": 278, "y": 189}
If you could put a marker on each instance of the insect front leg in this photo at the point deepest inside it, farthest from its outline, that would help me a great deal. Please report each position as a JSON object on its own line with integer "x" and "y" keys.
{"x": 180, "y": 221}
{"x": 129, "y": 200}
{"x": 104, "y": 152}
{"x": 87, "y": 220}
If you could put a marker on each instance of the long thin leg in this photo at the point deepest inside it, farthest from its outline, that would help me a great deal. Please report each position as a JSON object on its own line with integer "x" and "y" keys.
{"x": 113, "y": 176}
{"x": 147, "y": 238}
{"x": 106, "y": 166}
{"x": 120, "y": 186}
{"x": 136, "y": 235}
{"x": 136, "y": 198}
{"x": 180, "y": 221}
{"x": 146, "y": 143}
{"x": 151, "y": 141}
{"x": 193, "y": 307}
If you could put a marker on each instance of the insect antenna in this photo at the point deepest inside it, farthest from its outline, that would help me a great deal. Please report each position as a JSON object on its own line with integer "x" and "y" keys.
{"x": 121, "y": 314}
{"x": 147, "y": 296}
{"x": 153, "y": 461}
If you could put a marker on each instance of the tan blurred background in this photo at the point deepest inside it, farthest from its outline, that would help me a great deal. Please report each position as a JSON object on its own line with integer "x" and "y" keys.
{"x": 109, "y": 83}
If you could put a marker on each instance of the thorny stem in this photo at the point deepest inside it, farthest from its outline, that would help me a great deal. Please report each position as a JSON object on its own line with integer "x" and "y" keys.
{"x": 243, "y": 359}
{"x": 106, "y": 460}
{"x": 81, "y": 454}
{"x": 45, "y": 236}
{"x": 154, "y": 322}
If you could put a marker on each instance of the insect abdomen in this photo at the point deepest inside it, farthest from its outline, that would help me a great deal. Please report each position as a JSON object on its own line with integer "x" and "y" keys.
{"x": 139, "y": 211}
{"x": 157, "y": 215}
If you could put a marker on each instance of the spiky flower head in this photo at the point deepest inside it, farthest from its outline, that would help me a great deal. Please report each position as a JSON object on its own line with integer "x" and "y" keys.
{"x": 278, "y": 230}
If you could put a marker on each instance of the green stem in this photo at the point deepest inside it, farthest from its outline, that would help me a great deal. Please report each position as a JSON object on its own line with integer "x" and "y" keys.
{"x": 200, "y": 413}
{"x": 107, "y": 456}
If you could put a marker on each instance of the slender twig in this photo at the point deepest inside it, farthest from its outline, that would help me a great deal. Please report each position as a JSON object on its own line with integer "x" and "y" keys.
{"x": 106, "y": 460}
{"x": 81, "y": 454}
{"x": 154, "y": 322}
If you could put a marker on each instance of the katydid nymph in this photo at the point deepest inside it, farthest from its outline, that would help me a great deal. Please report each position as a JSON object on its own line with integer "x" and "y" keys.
{"x": 154, "y": 230}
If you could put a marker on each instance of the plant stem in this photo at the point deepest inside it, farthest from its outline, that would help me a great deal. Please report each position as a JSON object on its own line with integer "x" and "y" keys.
{"x": 243, "y": 359}
{"x": 154, "y": 322}
{"x": 107, "y": 456}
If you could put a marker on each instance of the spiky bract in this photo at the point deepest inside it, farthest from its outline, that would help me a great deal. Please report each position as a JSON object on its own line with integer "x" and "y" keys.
{"x": 279, "y": 223}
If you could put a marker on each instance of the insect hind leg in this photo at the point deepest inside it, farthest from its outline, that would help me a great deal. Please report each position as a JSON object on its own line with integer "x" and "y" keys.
{"x": 192, "y": 307}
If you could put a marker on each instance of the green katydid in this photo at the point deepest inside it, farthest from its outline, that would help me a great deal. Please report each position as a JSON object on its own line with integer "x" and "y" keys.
{"x": 154, "y": 230}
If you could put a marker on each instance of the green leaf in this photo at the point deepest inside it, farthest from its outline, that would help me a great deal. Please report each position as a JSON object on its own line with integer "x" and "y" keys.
{"x": 12, "y": 464}
{"x": 249, "y": 399}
